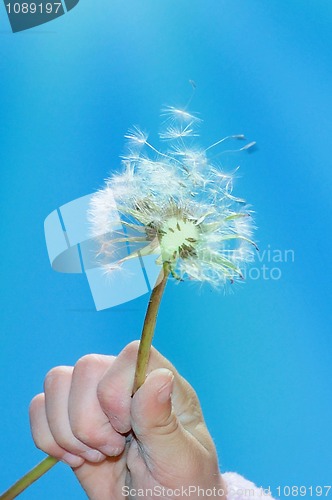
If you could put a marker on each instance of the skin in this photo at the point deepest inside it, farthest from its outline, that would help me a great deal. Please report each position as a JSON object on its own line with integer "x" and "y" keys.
{"x": 87, "y": 418}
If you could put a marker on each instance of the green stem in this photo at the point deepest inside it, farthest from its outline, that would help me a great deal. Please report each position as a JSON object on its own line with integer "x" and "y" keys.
{"x": 29, "y": 478}
{"x": 149, "y": 327}
{"x": 140, "y": 374}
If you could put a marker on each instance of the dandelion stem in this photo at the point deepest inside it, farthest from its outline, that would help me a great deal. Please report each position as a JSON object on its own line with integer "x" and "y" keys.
{"x": 29, "y": 478}
{"x": 149, "y": 327}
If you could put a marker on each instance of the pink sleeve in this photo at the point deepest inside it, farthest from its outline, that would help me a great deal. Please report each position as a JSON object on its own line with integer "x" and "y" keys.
{"x": 238, "y": 487}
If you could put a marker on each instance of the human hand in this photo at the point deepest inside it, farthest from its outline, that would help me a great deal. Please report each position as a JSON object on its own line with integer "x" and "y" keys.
{"x": 122, "y": 446}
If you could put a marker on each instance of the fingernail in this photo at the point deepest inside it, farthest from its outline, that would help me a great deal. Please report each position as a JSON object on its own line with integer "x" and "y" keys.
{"x": 165, "y": 392}
{"x": 72, "y": 460}
{"x": 93, "y": 456}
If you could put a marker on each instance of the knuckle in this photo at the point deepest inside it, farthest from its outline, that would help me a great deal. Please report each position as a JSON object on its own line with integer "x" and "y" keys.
{"x": 89, "y": 361}
{"x": 35, "y": 404}
{"x": 131, "y": 349}
{"x": 54, "y": 375}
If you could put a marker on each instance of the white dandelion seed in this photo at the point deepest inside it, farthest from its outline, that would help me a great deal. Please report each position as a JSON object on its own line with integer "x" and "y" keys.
{"x": 179, "y": 115}
{"x": 136, "y": 136}
{"x": 175, "y": 204}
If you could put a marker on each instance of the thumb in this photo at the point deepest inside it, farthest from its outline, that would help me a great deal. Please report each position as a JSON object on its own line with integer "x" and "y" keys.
{"x": 156, "y": 425}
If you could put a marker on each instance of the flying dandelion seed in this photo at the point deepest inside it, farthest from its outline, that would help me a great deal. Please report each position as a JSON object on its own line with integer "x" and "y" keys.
{"x": 176, "y": 204}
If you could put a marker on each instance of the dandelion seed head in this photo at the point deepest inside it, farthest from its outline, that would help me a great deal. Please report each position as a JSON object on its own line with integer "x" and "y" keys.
{"x": 176, "y": 204}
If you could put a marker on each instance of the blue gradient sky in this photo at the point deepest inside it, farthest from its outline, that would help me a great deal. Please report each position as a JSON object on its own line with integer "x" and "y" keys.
{"x": 259, "y": 358}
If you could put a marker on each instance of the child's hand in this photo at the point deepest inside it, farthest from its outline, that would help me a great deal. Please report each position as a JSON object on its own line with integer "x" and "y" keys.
{"x": 116, "y": 443}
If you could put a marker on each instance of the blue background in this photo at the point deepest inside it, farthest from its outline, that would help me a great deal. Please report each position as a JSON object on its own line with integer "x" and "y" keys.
{"x": 259, "y": 358}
